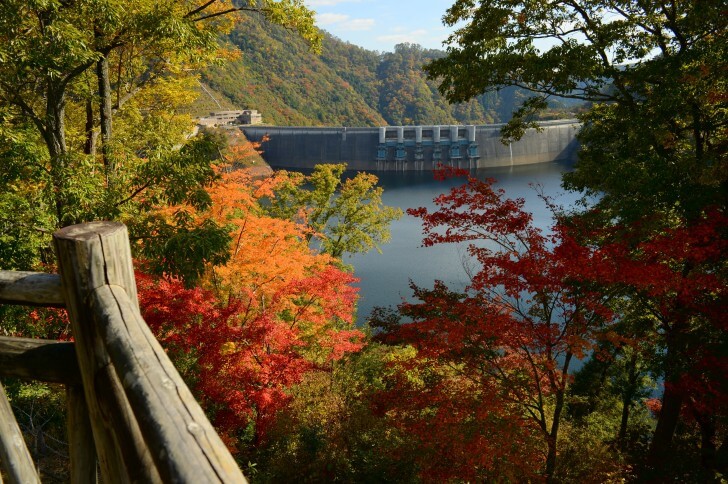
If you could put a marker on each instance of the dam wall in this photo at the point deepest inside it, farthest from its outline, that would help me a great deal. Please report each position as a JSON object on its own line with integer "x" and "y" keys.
{"x": 413, "y": 147}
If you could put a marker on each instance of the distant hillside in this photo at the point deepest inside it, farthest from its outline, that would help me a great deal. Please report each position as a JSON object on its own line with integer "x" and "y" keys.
{"x": 344, "y": 86}
{"x": 208, "y": 101}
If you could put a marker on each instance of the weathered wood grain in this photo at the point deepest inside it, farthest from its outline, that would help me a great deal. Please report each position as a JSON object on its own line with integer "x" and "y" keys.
{"x": 90, "y": 256}
{"x": 38, "y": 359}
{"x": 15, "y": 459}
{"x": 183, "y": 443}
{"x": 81, "y": 447}
{"x": 143, "y": 416}
{"x": 31, "y": 288}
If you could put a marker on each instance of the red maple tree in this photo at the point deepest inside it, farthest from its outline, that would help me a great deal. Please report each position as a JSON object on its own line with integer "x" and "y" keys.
{"x": 677, "y": 276}
{"x": 275, "y": 310}
{"x": 509, "y": 338}
{"x": 241, "y": 367}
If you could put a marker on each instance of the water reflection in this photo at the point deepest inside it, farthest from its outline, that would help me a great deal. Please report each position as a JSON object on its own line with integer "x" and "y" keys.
{"x": 385, "y": 277}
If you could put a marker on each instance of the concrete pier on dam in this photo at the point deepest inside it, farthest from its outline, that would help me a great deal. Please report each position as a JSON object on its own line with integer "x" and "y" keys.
{"x": 413, "y": 147}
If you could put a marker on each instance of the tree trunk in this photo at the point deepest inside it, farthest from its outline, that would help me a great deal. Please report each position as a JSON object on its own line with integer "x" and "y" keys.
{"x": 708, "y": 448}
{"x": 554, "y": 434}
{"x": 55, "y": 134}
{"x": 551, "y": 459}
{"x": 622, "y": 434}
{"x": 627, "y": 398}
{"x": 672, "y": 401}
{"x": 102, "y": 73}
{"x": 89, "y": 147}
{"x": 672, "y": 398}
{"x": 55, "y": 138}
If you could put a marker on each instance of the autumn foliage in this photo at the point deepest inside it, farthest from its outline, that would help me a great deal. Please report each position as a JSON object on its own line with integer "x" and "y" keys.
{"x": 678, "y": 277}
{"x": 512, "y": 335}
{"x": 274, "y": 311}
{"x": 479, "y": 379}
{"x": 243, "y": 365}
{"x": 492, "y": 364}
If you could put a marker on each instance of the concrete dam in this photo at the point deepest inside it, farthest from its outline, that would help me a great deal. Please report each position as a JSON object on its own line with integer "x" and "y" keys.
{"x": 413, "y": 147}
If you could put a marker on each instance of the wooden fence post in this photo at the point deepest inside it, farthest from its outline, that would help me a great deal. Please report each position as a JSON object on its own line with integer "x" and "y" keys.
{"x": 14, "y": 455}
{"x": 90, "y": 256}
{"x": 80, "y": 436}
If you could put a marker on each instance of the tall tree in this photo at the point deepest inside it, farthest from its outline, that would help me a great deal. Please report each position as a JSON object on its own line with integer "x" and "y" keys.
{"x": 47, "y": 47}
{"x": 273, "y": 310}
{"x": 678, "y": 278}
{"x": 241, "y": 366}
{"x": 526, "y": 316}
{"x": 654, "y": 140}
{"x": 54, "y": 102}
{"x": 653, "y": 70}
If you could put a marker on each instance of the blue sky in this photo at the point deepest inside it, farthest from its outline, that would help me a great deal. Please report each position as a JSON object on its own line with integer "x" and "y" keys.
{"x": 381, "y": 24}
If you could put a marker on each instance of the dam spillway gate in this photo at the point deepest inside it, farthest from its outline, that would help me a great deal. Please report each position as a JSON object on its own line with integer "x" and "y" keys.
{"x": 413, "y": 147}
{"x": 401, "y": 145}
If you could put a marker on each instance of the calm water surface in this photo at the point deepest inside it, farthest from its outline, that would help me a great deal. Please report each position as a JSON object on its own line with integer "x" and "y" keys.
{"x": 384, "y": 278}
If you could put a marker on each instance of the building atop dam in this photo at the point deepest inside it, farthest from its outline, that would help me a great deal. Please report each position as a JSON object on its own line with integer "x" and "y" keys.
{"x": 240, "y": 116}
{"x": 413, "y": 147}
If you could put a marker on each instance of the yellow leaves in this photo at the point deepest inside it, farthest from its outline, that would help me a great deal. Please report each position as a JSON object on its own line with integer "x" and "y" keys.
{"x": 168, "y": 92}
{"x": 228, "y": 54}
{"x": 228, "y": 348}
{"x": 402, "y": 353}
{"x": 219, "y": 16}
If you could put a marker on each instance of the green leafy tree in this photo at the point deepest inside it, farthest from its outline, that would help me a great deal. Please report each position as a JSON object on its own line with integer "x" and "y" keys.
{"x": 332, "y": 430}
{"x": 67, "y": 70}
{"x": 344, "y": 216}
{"x": 49, "y": 49}
{"x": 654, "y": 71}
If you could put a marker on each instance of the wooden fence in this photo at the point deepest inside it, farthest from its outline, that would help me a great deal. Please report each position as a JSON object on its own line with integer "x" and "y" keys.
{"x": 127, "y": 407}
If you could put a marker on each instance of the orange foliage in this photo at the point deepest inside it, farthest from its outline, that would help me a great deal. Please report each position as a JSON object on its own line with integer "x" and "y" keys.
{"x": 266, "y": 253}
{"x": 275, "y": 311}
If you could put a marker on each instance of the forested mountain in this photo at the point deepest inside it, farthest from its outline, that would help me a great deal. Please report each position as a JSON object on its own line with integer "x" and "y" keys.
{"x": 347, "y": 85}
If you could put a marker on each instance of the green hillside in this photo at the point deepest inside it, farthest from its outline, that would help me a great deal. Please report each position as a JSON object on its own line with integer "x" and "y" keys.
{"x": 208, "y": 100}
{"x": 278, "y": 75}
{"x": 345, "y": 85}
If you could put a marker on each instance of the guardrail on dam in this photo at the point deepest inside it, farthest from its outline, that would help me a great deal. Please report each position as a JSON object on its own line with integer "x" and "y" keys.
{"x": 413, "y": 147}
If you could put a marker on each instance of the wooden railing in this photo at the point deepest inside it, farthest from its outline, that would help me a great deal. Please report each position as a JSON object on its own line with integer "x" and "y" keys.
{"x": 127, "y": 407}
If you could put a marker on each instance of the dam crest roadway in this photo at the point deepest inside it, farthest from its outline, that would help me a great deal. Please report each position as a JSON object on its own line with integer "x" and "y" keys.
{"x": 413, "y": 147}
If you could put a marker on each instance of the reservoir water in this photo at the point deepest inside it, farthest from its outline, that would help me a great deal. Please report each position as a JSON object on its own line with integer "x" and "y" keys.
{"x": 385, "y": 278}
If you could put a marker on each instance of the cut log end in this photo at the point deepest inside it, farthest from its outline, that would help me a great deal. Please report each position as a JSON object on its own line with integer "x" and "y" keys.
{"x": 88, "y": 230}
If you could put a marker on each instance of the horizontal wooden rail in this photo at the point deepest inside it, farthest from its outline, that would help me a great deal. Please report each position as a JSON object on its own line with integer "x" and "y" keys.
{"x": 128, "y": 408}
{"x": 38, "y": 359}
{"x": 31, "y": 288}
